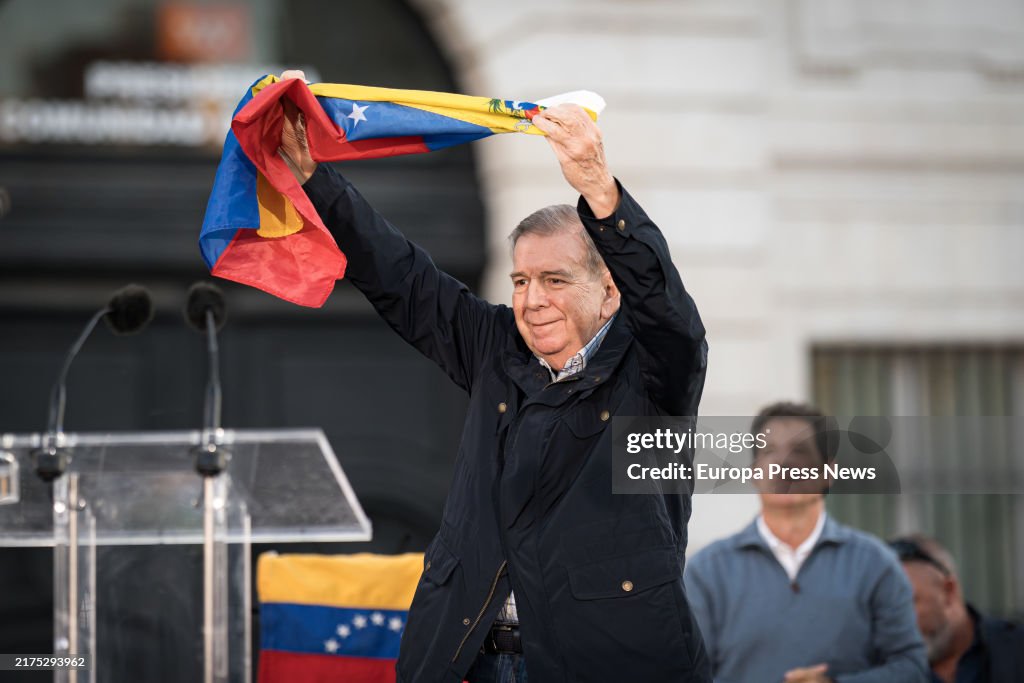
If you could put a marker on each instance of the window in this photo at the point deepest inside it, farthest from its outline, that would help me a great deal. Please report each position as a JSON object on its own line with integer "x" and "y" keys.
{"x": 985, "y": 533}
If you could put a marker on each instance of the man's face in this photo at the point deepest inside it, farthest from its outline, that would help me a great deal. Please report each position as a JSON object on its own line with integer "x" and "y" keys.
{"x": 558, "y": 303}
{"x": 934, "y": 595}
{"x": 789, "y": 442}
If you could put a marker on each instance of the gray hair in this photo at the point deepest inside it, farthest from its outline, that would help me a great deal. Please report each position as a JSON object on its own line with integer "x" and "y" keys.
{"x": 554, "y": 220}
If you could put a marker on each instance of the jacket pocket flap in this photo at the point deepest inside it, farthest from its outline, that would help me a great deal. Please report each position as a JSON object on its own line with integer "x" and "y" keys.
{"x": 587, "y": 420}
{"x": 620, "y": 577}
{"x": 439, "y": 563}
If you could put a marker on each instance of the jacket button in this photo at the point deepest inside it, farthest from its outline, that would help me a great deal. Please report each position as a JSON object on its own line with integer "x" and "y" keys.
{"x": 502, "y": 407}
{"x": 465, "y": 622}
{"x": 428, "y": 565}
{"x": 605, "y": 415}
{"x": 627, "y": 586}
{"x": 621, "y": 224}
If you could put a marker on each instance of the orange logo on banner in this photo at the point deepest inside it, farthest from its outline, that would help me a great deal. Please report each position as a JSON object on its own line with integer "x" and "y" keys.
{"x": 203, "y": 33}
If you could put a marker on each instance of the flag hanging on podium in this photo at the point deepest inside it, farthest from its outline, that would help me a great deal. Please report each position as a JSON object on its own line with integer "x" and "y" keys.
{"x": 327, "y": 618}
{"x": 260, "y": 228}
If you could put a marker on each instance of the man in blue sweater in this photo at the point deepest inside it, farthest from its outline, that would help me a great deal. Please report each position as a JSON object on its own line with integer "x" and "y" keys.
{"x": 796, "y": 596}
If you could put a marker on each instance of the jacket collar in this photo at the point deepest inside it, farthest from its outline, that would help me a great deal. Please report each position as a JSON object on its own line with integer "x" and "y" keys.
{"x": 531, "y": 377}
{"x": 611, "y": 351}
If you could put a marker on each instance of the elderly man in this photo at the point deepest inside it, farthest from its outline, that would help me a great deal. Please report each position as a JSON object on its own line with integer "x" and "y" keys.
{"x": 600, "y": 325}
{"x": 796, "y": 596}
{"x": 963, "y": 646}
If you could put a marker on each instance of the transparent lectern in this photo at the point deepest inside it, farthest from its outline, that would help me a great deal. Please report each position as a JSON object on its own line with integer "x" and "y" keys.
{"x": 148, "y": 577}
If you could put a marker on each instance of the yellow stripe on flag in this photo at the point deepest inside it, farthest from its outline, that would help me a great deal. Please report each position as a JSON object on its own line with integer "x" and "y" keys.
{"x": 468, "y": 108}
{"x": 362, "y": 580}
{"x": 278, "y": 216}
{"x": 498, "y": 123}
{"x": 269, "y": 79}
{"x": 369, "y": 93}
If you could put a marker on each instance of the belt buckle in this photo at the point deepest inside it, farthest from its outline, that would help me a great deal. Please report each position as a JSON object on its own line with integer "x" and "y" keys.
{"x": 498, "y": 627}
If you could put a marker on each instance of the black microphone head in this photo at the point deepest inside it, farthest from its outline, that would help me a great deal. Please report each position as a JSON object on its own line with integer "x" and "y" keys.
{"x": 131, "y": 309}
{"x": 203, "y": 296}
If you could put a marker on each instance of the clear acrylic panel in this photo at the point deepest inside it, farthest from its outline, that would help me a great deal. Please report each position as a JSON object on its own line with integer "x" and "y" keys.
{"x": 144, "y": 490}
{"x": 131, "y": 572}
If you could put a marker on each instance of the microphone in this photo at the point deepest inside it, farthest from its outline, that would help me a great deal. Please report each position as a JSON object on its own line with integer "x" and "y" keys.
{"x": 203, "y": 297}
{"x": 206, "y": 312}
{"x": 128, "y": 311}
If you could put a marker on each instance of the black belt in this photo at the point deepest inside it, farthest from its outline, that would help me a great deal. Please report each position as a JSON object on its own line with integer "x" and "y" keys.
{"x": 503, "y": 639}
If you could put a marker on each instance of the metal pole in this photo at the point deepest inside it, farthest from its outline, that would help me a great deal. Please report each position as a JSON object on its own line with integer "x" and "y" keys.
{"x": 208, "y": 587}
{"x": 73, "y": 573}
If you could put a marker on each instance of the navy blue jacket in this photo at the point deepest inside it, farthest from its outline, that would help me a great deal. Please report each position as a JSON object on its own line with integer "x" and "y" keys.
{"x": 597, "y": 577}
{"x": 995, "y": 656}
{"x": 1003, "y": 643}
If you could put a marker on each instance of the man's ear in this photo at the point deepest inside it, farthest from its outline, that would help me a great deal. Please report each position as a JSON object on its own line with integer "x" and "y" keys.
{"x": 611, "y": 300}
{"x": 950, "y": 590}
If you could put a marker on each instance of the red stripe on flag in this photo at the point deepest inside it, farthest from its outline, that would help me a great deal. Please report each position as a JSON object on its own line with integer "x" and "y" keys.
{"x": 276, "y": 666}
{"x": 260, "y": 122}
{"x": 258, "y": 129}
{"x": 299, "y": 268}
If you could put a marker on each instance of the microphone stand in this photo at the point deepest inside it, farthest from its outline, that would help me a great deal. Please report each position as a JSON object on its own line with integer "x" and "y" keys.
{"x": 211, "y": 459}
{"x": 52, "y": 459}
{"x": 74, "y": 580}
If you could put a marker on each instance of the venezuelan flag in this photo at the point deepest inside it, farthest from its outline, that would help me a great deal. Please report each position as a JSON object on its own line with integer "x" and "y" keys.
{"x": 333, "y": 618}
{"x": 261, "y": 229}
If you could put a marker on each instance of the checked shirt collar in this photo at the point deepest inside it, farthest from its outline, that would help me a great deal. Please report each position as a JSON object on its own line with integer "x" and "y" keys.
{"x": 579, "y": 361}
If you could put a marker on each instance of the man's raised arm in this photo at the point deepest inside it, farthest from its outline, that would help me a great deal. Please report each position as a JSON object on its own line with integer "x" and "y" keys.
{"x": 431, "y": 310}
{"x": 664, "y": 318}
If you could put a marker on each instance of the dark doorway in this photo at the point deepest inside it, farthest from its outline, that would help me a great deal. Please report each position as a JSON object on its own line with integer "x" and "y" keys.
{"x": 84, "y": 219}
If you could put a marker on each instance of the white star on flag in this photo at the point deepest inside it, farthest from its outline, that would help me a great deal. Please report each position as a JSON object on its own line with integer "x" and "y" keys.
{"x": 395, "y": 624}
{"x": 516, "y": 104}
{"x": 357, "y": 113}
{"x": 359, "y": 621}
{"x": 377, "y": 618}
{"x": 331, "y": 645}
{"x": 344, "y": 631}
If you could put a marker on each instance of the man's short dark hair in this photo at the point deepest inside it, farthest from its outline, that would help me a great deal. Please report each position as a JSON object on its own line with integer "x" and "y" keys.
{"x": 824, "y": 426}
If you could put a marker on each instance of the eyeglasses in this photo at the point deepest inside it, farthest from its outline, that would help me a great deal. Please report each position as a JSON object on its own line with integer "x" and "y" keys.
{"x": 909, "y": 551}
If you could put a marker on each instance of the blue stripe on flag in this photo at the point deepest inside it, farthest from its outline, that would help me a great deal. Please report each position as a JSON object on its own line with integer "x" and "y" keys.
{"x": 317, "y": 629}
{"x": 368, "y": 120}
{"x": 436, "y": 142}
{"x": 232, "y": 204}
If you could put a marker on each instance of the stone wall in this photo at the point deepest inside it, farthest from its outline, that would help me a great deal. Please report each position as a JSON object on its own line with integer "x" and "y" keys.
{"x": 825, "y": 170}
